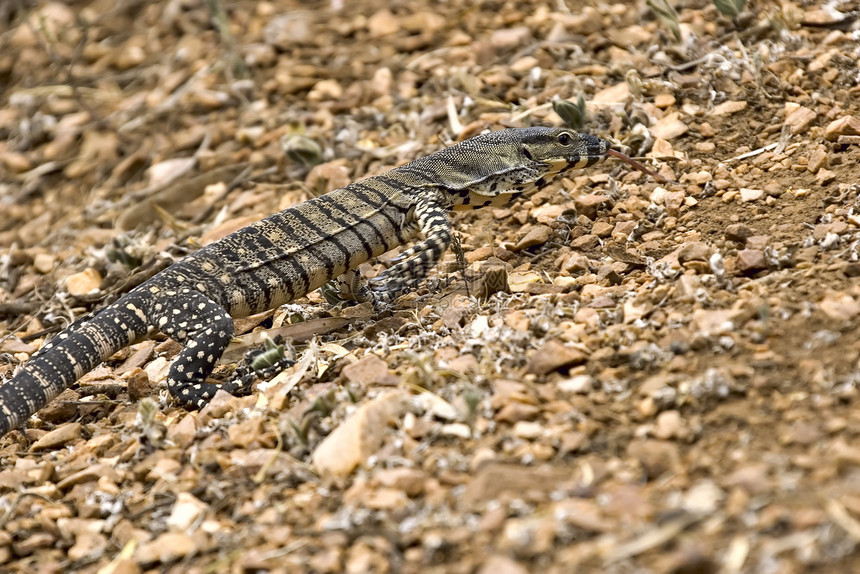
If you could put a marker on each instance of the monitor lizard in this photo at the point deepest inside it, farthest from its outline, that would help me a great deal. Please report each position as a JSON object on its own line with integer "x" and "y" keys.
{"x": 289, "y": 254}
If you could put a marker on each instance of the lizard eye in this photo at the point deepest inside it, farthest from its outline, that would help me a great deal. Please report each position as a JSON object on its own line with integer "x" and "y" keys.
{"x": 564, "y": 138}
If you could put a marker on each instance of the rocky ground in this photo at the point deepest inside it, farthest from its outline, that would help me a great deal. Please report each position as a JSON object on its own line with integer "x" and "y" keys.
{"x": 667, "y": 381}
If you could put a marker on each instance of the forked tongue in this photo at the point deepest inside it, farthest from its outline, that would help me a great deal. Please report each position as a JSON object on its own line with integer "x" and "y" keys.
{"x": 639, "y": 166}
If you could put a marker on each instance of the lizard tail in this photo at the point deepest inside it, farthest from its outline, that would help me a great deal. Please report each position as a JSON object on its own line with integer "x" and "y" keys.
{"x": 68, "y": 356}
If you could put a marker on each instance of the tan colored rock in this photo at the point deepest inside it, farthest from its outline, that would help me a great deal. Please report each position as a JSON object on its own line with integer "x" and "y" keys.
{"x": 797, "y": 117}
{"x": 43, "y": 262}
{"x": 500, "y": 564}
{"x": 846, "y": 125}
{"x": 382, "y": 23}
{"x": 515, "y": 412}
{"x": 748, "y": 194}
{"x": 325, "y": 90}
{"x": 657, "y": 457}
{"x": 186, "y": 511}
{"x": 617, "y": 94}
{"x": 87, "y": 281}
{"x": 585, "y": 242}
{"x": 507, "y": 38}
{"x": 602, "y": 229}
{"x": 494, "y": 478}
{"x": 729, "y": 107}
{"x": 817, "y": 159}
{"x": 519, "y": 282}
{"x": 622, "y": 230}
{"x": 168, "y": 547}
{"x": 669, "y": 127}
{"x": 58, "y": 437}
{"x": 283, "y": 31}
{"x": 739, "y": 232}
{"x": 588, "y": 204}
{"x": 825, "y": 176}
{"x": 412, "y": 481}
{"x": 713, "y": 321}
{"x": 138, "y": 384}
{"x": 537, "y": 235}
{"x": 88, "y": 545}
{"x": 669, "y": 425}
{"x": 664, "y": 101}
{"x": 839, "y": 306}
{"x": 369, "y": 370}
{"x": 92, "y": 473}
{"x": 554, "y": 356}
{"x": 14, "y": 161}
{"x": 695, "y": 251}
{"x": 182, "y": 432}
{"x": 359, "y": 436}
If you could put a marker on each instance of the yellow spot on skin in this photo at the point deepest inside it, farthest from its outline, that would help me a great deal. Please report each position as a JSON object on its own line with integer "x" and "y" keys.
{"x": 140, "y": 314}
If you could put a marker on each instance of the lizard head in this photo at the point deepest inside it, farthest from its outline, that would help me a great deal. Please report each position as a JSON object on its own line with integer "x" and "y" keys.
{"x": 507, "y": 163}
{"x": 554, "y": 150}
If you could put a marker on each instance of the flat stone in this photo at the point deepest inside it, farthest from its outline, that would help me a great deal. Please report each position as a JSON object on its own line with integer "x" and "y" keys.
{"x": 354, "y": 440}
{"x": 602, "y": 228}
{"x": 663, "y": 101}
{"x": 514, "y": 412}
{"x": 748, "y": 194}
{"x": 369, "y": 370}
{"x": 494, "y": 478}
{"x": 58, "y": 437}
{"x": 585, "y": 242}
{"x": 695, "y": 251}
{"x": 729, "y": 107}
{"x": 588, "y": 204}
{"x": 62, "y": 409}
{"x": 825, "y": 176}
{"x": 669, "y": 425}
{"x": 138, "y": 384}
{"x": 537, "y": 235}
{"x": 580, "y": 385}
{"x": 738, "y": 232}
{"x": 617, "y": 94}
{"x": 623, "y": 229}
{"x": 382, "y": 23}
{"x": 554, "y": 356}
{"x": 657, "y": 457}
{"x": 499, "y": 564}
{"x": 92, "y": 473}
{"x": 506, "y": 38}
{"x": 669, "y": 127}
{"x": 839, "y": 306}
{"x": 412, "y": 481}
{"x": 757, "y": 241}
{"x": 187, "y": 509}
{"x": 168, "y": 547}
{"x": 87, "y": 281}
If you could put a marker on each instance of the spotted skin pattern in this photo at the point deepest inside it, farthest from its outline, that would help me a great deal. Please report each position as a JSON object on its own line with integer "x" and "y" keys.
{"x": 288, "y": 254}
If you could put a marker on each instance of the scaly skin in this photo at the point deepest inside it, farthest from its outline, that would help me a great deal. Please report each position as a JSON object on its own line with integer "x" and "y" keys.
{"x": 288, "y": 254}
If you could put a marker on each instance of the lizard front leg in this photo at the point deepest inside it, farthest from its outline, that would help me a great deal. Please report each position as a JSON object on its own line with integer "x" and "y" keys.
{"x": 350, "y": 287}
{"x": 413, "y": 265}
